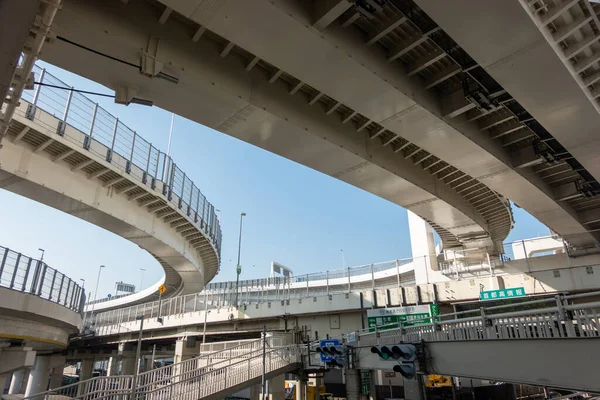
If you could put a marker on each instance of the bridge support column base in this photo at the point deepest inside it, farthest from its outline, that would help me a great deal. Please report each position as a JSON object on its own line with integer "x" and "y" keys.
{"x": 38, "y": 377}
{"x": 255, "y": 392}
{"x": 56, "y": 377}
{"x": 352, "y": 384}
{"x": 413, "y": 388}
{"x": 16, "y": 382}
{"x": 276, "y": 388}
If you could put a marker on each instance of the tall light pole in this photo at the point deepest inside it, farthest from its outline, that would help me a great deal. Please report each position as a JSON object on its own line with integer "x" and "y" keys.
{"x": 83, "y": 294}
{"x": 239, "y": 267}
{"x": 42, "y": 257}
{"x": 96, "y": 292}
{"x": 142, "y": 278}
{"x": 343, "y": 259}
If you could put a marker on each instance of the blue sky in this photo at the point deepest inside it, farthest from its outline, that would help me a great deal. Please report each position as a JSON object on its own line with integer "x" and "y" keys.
{"x": 296, "y": 216}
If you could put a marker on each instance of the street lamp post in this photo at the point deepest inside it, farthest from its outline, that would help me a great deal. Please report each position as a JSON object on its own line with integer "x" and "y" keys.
{"x": 96, "y": 292}
{"x": 239, "y": 267}
{"x": 343, "y": 259}
{"x": 142, "y": 278}
{"x": 42, "y": 257}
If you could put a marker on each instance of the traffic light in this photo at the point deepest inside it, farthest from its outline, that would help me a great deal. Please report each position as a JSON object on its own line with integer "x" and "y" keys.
{"x": 404, "y": 353}
{"x": 332, "y": 354}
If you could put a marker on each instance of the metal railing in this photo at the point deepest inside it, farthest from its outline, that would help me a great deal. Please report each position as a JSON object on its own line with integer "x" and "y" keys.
{"x": 28, "y": 275}
{"x": 382, "y": 275}
{"x": 97, "y": 124}
{"x": 190, "y": 379}
{"x": 553, "y": 317}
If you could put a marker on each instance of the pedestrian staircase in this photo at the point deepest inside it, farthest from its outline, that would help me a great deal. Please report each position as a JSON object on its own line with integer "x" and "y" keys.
{"x": 208, "y": 376}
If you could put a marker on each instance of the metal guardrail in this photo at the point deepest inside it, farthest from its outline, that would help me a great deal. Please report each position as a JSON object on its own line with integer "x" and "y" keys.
{"x": 561, "y": 319}
{"x": 279, "y": 289}
{"x": 74, "y": 109}
{"x": 457, "y": 265}
{"x": 190, "y": 379}
{"x": 28, "y": 275}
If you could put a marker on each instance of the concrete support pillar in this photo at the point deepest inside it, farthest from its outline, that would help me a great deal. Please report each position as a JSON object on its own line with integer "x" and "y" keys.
{"x": 352, "y": 384}
{"x": 3, "y": 381}
{"x": 422, "y": 245}
{"x": 184, "y": 350}
{"x": 56, "y": 377}
{"x": 111, "y": 369}
{"x": 301, "y": 390}
{"x": 373, "y": 385}
{"x": 276, "y": 388}
{"x": 128, "y": 366}
{"x": 255, "y": 392}
{"x": 87, "y": 369}
{"x": 413, "y": 388}
{"x": 38, "y": 377}
{"x": 16, "y": 382}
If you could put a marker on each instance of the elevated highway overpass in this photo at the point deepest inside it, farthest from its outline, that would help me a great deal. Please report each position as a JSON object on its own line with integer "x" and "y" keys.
{"x": 377, "y": 94}
{"x": 65, "y": 151}
{"x": 40, "y": 310}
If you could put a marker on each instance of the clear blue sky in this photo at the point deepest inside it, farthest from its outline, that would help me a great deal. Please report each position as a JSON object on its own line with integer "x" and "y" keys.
{"x": 296, "y": 216}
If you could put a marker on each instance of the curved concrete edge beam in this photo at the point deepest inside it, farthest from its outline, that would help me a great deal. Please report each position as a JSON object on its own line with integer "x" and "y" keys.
{"x": 39, "y": 322}
{"x": 148, "y": 294}
{"x": 37, "y": 177}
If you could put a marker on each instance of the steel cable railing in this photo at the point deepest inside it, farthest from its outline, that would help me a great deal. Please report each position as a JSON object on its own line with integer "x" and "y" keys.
{"x": 80, "y": 112}
{"x": 552, "y": 317}
{"x": 28, "y": 275}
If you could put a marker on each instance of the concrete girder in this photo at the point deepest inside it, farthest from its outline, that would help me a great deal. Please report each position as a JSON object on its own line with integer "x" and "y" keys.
{"x": 422, "y": 63}
{"x": 455, "y": 104}
{"x": 580, "y": 46}
{"x": 333, "y": 108}
{"x": 43, "y": 145}
{"x": 327, "y": 11}
{"x": 590, "y": 217}
{"x": 63, "y": 155}
{"x": 315, "y": 98}
{"x": 390, "y": 26}
{"x": 126, "y": 189}
{"x": 567, "y": 192}
{"x": 137, "y": 196}
{"x": 149, "y": 201}
{"x": 555, "y": 11}
{"x": 495, "y": 119}
{"x": 443, "y": 75}
{"x": 516, "y": 137}
{"x": 199, "y": 32}
{"x": 82, "y": 165}
{"x": 406, "y": 46}
{"x": 252, "y": 63}
{"x": 113, "y": 181}
{"x": 567, "y": 30}
{"x": 21, "y": 134}
{"x": 526, "y": 157}
{"x": 157, "y": 209}
{"x": 165, "y": 15}
{"x": 377, "y": 134}
{"x": 505, "y": 128}
{"x": 98, "y": 173}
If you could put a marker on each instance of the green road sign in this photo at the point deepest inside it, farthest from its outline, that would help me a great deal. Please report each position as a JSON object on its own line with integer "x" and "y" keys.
{"x": 388, "y": 318}
{"x": 502, "y": 294}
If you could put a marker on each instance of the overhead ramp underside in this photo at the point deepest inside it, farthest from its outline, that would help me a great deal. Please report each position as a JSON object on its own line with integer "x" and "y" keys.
{"x": 249, "y": 98}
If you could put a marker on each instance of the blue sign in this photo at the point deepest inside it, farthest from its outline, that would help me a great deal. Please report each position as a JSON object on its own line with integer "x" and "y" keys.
{"x": 502, "y": 294}
{"x": 327, "y": 344}
{"x": 109, "y": 295}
